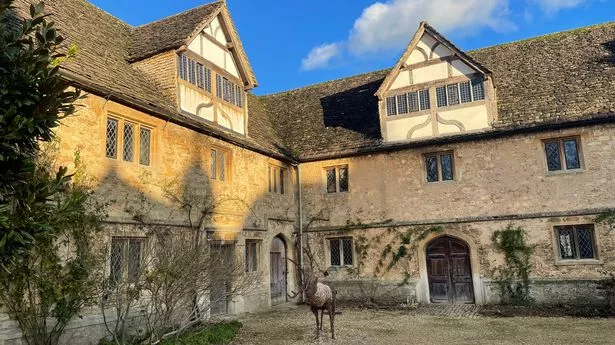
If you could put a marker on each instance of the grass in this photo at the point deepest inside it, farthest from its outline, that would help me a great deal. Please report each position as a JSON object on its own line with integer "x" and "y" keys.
{"x": 217, "y": 334}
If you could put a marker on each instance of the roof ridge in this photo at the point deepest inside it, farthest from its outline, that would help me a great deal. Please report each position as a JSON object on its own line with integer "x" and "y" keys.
{"x": 528, "y": 39}
{"x": 326, "y": 82}
{"x": 179, "y": 13}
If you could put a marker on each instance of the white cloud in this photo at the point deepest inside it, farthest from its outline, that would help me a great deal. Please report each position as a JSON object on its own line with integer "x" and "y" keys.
{"x": 321, "y": 56}
{"x": 552, "y": 6}
{"x": 390, "y": 25}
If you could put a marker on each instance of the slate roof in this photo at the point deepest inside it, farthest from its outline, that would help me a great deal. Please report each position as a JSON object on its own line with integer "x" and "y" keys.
{"x": 545, "y": 80}
{"x": 102, "y": 67}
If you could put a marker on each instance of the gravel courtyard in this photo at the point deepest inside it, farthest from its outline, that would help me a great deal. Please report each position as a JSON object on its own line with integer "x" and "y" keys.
{"x": 295, "y": 326}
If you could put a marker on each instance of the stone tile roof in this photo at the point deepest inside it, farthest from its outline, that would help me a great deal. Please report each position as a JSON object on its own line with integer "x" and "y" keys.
{"x": 549, "y": 79}
{"x": 171, "y": 32}
{"x": 101, "y": 66}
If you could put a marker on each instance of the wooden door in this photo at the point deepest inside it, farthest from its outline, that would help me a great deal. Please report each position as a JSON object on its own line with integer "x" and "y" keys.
{"x": 277, "y": 270}
{"x": 449, "y": 271}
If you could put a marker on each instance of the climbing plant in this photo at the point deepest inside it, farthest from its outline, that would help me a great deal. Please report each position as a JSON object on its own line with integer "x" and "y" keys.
{"x": 607, "y": 218}
{"x": 512, "y": 278}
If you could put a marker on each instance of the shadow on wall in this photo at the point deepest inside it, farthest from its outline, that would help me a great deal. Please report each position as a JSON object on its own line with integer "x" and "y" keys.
{"x": 354, "y": 109}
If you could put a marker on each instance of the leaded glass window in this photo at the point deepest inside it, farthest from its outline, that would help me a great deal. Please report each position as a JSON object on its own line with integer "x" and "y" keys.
{"x": 452, "y": 93}
{"x": 200, "y": 76}
{"x": 183, "y": 67}
{"x": 446, "y": 163}
{"x": 218, "y": 86}
{"x": 218, "y": 164}
{"x": 341, "y": 251}
{"x": 337, "y": 179}
{"x": 331, "y": 181}
{"x": 431, "y": 166}
{"x": 576, "y": 242}
{"x": 439, "y": 167}
{"x": 191, "y": 71}
{"x": 111, "y": 138}
{"x": 207, "y": 79}
{"x": 222, "y": 165}
{"x": 251, "y": 259}
{"x": 125, "y": 258}
{"x": 402, "y": 104}
{"x": 129, "y": 142}
{"x": 282, "y": 178}
{"x": 465, "y": 92}
{"x": 413, "y": 101}
{"x": 391, "y": 106}
{"x": 441, "y": 96}
{"x": 478, "y": 89}
{"x": 563, "y": 154}
{"x": 424, "y": 99}
{"x": 145, "y": 144}
{"x": 213, "y": 171}
{"x": 239, "y": 95}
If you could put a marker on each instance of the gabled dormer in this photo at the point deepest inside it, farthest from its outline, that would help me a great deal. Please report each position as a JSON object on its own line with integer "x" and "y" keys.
{"x": 435, "y": 89}
{"x": 197, "y": 60}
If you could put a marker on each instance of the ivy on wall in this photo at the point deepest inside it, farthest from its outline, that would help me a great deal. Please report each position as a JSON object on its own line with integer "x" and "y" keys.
{"x": 512, "y": 278}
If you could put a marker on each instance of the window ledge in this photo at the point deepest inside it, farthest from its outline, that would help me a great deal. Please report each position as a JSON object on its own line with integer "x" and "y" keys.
{"x": 440, "y": 183}
{"x": 578, "y": 262}
{"x": 565, "y": 172}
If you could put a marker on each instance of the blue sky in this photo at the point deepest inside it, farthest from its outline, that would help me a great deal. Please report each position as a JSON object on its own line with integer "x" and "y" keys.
{"x": 301, "y": 42}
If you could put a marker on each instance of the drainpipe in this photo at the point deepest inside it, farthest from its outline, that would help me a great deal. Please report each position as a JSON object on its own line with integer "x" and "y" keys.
{"x": 300, "y": 228}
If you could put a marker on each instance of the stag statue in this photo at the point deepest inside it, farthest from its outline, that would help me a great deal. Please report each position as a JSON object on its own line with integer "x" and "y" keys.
{"x": 319, "y": 297}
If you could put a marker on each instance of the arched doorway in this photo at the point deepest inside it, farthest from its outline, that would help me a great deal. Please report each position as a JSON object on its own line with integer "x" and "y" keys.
{"x": 449, "y": 271}
{"x": 277, "y": 270}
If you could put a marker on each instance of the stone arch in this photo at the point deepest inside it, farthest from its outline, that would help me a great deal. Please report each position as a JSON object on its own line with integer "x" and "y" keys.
{"x": 422, "y": 286}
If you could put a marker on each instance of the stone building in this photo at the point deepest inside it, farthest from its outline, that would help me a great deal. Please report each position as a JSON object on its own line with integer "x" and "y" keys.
{"x": 469, "y": 142}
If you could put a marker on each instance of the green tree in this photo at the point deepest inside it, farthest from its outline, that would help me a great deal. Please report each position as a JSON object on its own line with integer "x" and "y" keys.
{"x": 33, "y": 99}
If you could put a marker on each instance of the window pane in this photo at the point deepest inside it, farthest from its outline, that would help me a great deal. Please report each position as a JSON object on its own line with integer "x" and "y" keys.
{"x": 282, "y": 181}
{"x": 254, "y": 257}
{"x": 335, "y": 253}
{"x": 402, "y": 104}
{"x": 478, "y": 89}
{"x": 222, "y": 165}
{"x": 431, "y": 164}
{"x": 191, "y": 71}
{"x": 218, "y": 86}
{"x": 145, "y": 146}
{"x": 116, "y": 260}
{"x": 554, "y": 162}
{"x": 347, "y": 249}
{"x": 441, "y": 96}
{"x": 331, "y": 188}
{"x": 413, "y": 102}
{"x": 134, "y": 259}
{"x": 464, "y": 90}
{"x": 275, "y": 180}
{"x": 424, "y": 99}
{"x": 269, "y": 175}
{"x": 129, "y": 139}
{"x": 111, "y": 147}
{"x": 566, "y": 244}
{"x": 391, "y": 106}
{"x": 183, "y": 62}
{"x": 343, "y": 179}
{"x": 207, "y": 79}
{"x": 200, "y": 76}
{"x": 446, "y": 161}
{"x": 572, "y": 154}
{"x": 452, "y": 94}
{"x": 585, "y": 239}
{"x": 214, "y": 161}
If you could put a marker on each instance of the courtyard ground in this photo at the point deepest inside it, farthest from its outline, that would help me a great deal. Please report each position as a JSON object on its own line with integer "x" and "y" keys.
{"x": 295, "y": 325}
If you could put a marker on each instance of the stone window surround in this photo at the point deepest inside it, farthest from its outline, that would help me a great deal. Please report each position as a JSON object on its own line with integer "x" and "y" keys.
{"x": 564, "y": 171}
{"x": 425, "y": 154}
{"x": 324, "y": 178}
{"x": 557, "y": 261}
{"x": 136, "y": 234}
{"x": 327, "y": 247}
{"x": 277, "y": 169}
{"x": 121, "y": 119}
{"x": 227, "y": 164}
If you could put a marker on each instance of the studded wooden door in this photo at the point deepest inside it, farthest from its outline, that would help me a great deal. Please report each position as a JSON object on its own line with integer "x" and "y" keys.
{"x": 449, "y": 271}
{"x": 277, "y": 269}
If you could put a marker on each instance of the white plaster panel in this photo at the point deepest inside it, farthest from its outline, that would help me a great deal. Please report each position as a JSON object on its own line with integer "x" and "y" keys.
{"x": 398, "y": 129}
{"x": 441, "y": 51}
{"x": 447, "y": 129}
{"x": 402, "y": 80}
{"x": 430, "y": 73}
{"x": 461, "y": 68}
{"x": 472, "y": 118}
{"x": 217, "y": 32}
{"x": 195, "y": 45}
{"x": 195, "y": 102}
{"x": 415, "y": 57}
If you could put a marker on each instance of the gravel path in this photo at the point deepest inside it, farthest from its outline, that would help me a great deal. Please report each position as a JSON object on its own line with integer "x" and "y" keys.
{"x": 296, "y": 326}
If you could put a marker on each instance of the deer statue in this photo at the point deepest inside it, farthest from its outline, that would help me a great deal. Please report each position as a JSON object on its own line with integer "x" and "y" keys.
{"x": 319, "y": 297}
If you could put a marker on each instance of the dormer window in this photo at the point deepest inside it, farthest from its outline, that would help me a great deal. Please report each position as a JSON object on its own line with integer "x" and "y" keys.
{"x": 464, "y": 92}
{"x": 410, "y": 102}
{"x": 195, "y": 73}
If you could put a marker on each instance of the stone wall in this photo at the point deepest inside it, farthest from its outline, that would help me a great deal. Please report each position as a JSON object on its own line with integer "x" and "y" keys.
{"x": 162, "y": 70}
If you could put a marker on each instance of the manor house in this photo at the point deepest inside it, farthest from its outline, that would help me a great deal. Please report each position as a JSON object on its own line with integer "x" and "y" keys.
{"x": 519, "y": 134}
